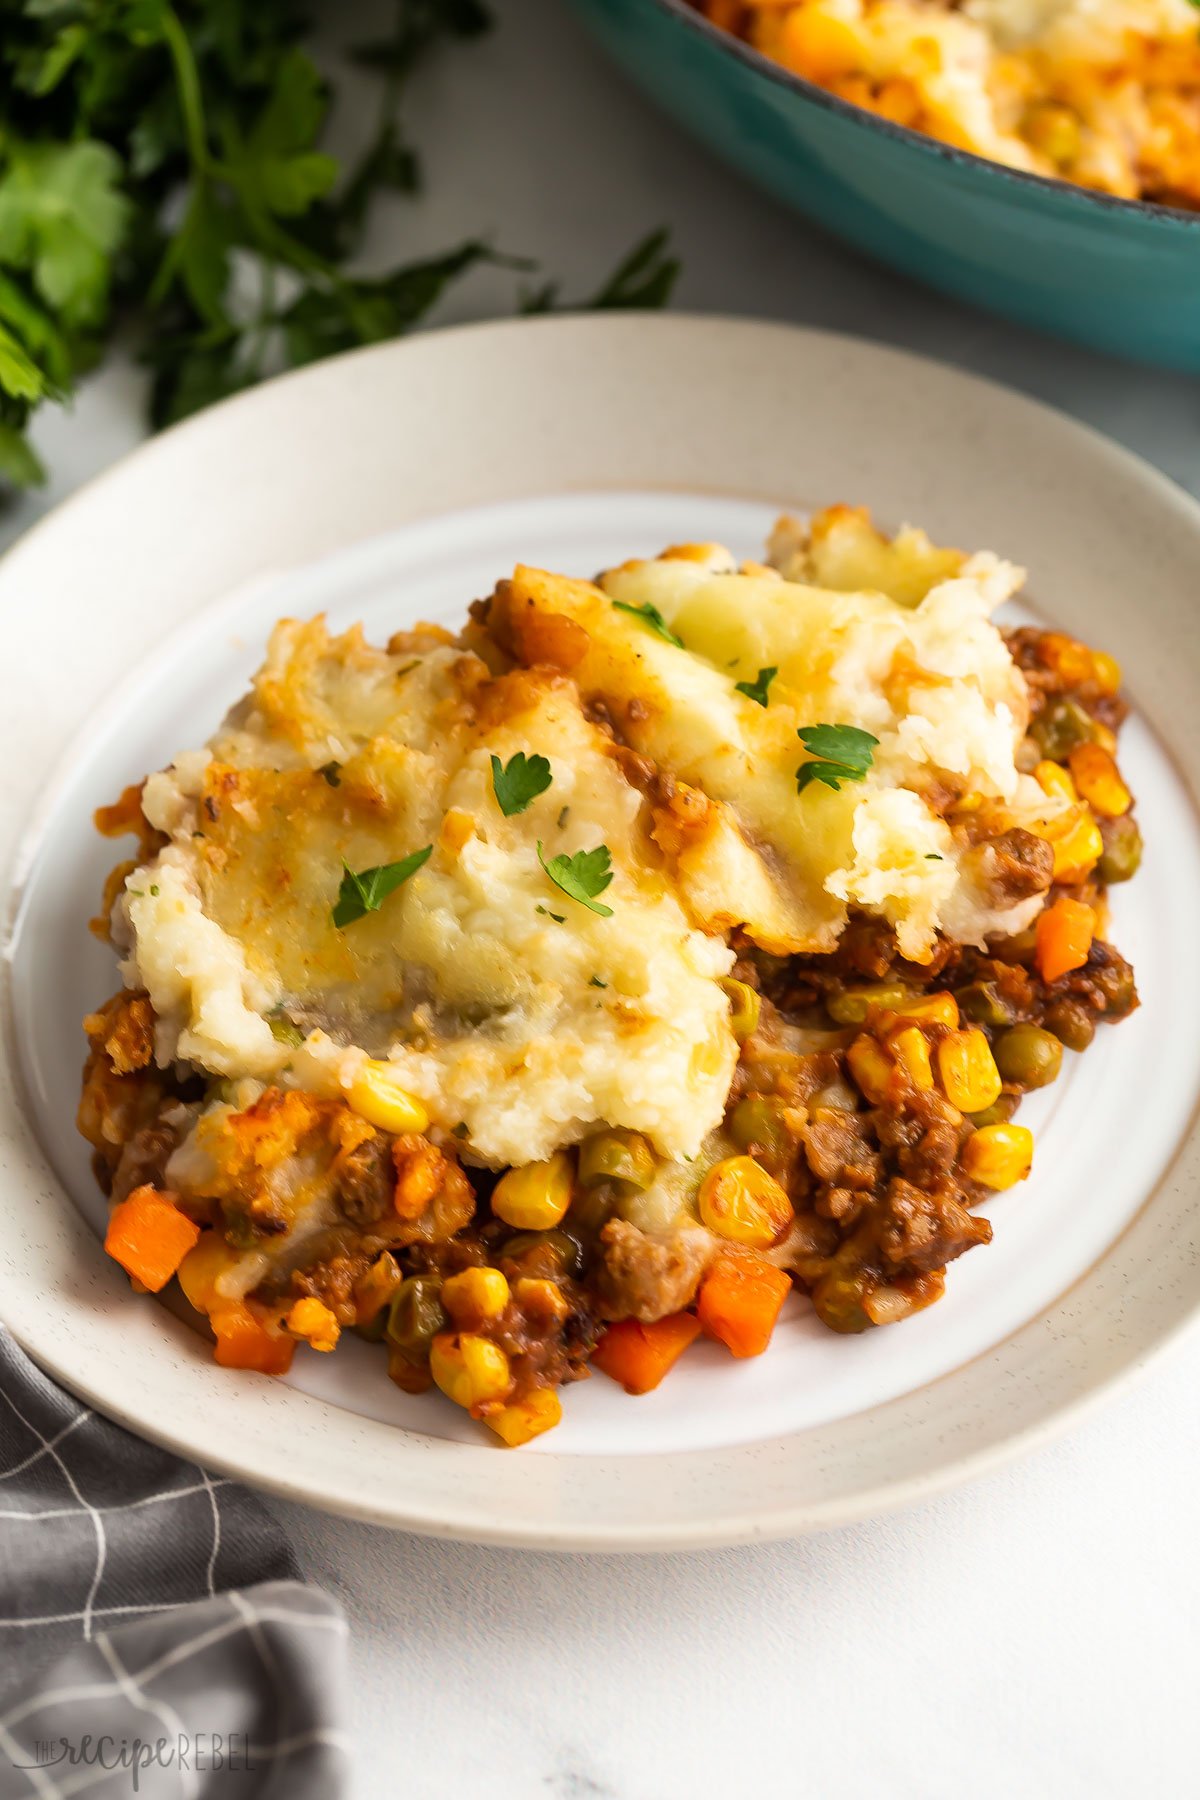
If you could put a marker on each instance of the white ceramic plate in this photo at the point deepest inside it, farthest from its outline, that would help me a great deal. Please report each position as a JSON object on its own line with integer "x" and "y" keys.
{"x": 399, "y": 483}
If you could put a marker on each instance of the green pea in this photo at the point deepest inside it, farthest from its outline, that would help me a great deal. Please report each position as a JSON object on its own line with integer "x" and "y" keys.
{"x": 983, "y": 1004}
{"x": 838, "y": 1299}
{"x": 616, "y": 1155}
{"x": 1028, "y": 1056}
{"x": 1116, "y": 983}
{"x": 557, "y": 1245}
{"x": 373, "y": 1330}
{"x": 756, "y": 1120}
{"x": 851, "y": 1006}
{"x": 998, "y": 1113}
{"x": 745, "y": 1005}
{"x": 1060, "y": 727}
{"x": 1122, "y": 854}
{"x": 285, "y": 1031}
{"x": 1072, "y": 1024}
{"x": 838, "y": 1096}
{"x": 415, "y": 1315}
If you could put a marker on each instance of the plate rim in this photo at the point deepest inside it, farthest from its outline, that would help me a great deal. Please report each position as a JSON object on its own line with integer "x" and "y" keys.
{"x": 657, "y": 1534}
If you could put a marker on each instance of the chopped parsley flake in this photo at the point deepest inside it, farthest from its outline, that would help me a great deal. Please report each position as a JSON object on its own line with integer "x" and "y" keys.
{"x": 519, "y": 781}
{"x": 596, "y": 982}
{"x": 559, "y": 918}
{"x": 582, "y": 876}
{"x": 839, "y": 753}
{"x": 650, "y": 615}
{"x": 332, "y": 771}
{"x": 756, "y": 690}
{"x": 367, "y": 890}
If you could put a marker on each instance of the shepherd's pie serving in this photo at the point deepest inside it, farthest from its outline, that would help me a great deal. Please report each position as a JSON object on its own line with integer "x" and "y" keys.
{"x": 543, "y": 996}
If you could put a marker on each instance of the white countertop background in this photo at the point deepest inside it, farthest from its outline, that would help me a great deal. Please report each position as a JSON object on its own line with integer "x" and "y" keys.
{"x": 1034, "y": 1634}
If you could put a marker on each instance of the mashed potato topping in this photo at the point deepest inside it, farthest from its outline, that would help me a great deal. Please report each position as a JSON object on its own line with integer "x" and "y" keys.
{"x": 518, "y": 1014}
{"x": 1105, "y": 93}
{"x": 926, "y": 674}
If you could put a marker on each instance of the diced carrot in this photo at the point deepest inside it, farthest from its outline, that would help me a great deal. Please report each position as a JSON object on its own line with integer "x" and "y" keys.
{"x": 740, "y": 1300}
{"x": 638, "y": 1356}
{"x": 244, "y": 1343}
{"x": 149, "y": 1237}
{"x": 1064, "y": 937}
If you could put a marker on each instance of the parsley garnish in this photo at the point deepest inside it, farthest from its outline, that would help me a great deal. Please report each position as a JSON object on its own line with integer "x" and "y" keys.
{"x": 519, "y": 781}
{"x": 596, "y": 982}
{"x": 366, "y": 892}
{"x": 332, "y": 771}
{"x": 170, "y": 155}
{"x": 932, "y": 855}
{"x": 559, "y": 918}
{"x": 757, "y": 690}
{"x": 650, "y": 615}
{"x": 840, "y": 753}
{"x": 582, "y": 876}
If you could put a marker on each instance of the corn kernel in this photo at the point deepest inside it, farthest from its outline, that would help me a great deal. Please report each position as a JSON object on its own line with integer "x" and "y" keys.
{"x": 377, "y": 1096}
{"x": 1099, "y": 780}
{"x": 1106, "y": 672}
{"x": 542, "y": 1299}
{"x": 931, "y": 1009}
{"x": 536, "y": 1196}
{"x": 1053, "y": 130}
{"x": 969, "y": 1076}
{"x": 740, "y": 1201}
{"x": 528, "y": 1418}
{"x": 1052, "y": 778}
{"x": 744, "y": 1008}
{"x": 1069, "y": 659}
{"x": 312, "y": 1320}
{"x": 910, "y": 1047}
{"x": 817, "y": 46}
{"x": 474, "y": 1296}
{"x": 998, "y": 1156}
{"x": 470, "y": 1370}
{"x": 1076, "y": 854}
{"x": 457, "y": 830}
{"x": 871, "y": 1068}
{"x": 199, "y": 1271}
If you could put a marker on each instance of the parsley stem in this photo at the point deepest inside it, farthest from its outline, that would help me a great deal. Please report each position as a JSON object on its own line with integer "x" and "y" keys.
{"x": 187, "y": 80}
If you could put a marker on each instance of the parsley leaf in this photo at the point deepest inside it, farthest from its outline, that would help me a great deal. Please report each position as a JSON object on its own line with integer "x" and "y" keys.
{"x": 582, "y": 876}
{"x": 756, "y": 690}
{"x": 646, "y": 277}
{"x": 519, "y": 781}
{"x": 650, "y": 615}
{"x": 162, "y": 164}
{"x": 367, "y": 890}
{"x": 839, "y": 752}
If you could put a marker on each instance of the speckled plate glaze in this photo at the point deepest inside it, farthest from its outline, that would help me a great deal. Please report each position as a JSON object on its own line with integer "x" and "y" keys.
{"x": 399, "y": 483}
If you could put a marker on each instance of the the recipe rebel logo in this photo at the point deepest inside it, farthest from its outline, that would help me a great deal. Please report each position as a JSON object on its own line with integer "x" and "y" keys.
{"x": 202, "y": 1753}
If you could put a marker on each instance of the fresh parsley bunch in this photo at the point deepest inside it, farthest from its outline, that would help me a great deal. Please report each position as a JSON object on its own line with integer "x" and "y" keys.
{"x": 161, "y": 160}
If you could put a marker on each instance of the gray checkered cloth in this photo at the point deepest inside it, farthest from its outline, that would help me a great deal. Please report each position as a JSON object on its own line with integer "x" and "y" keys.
{"x": 155, "y": 1635}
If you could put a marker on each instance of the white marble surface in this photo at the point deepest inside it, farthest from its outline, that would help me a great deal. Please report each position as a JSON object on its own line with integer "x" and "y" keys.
{"x": 1034, "y": 1633}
